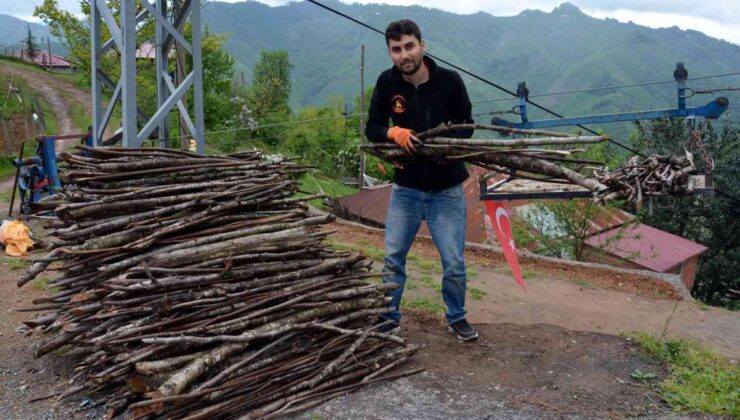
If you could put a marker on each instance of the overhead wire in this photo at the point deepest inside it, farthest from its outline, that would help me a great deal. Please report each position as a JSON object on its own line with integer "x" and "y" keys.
{"x": 568, "y": 92}
{"x": 503, "y": 89}
{"x": 257, "y": 127}
{"x": 475, "y": 76}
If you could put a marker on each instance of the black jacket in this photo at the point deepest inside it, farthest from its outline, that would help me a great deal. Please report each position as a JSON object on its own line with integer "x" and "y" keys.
{"x": 441, "y": 99}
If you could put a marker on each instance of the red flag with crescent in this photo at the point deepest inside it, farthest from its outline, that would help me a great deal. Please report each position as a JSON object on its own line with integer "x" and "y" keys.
{"x": 501, "y": 223}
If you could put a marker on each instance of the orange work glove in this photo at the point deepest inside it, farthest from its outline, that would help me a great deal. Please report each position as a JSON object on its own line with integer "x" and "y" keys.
{"x": 404, "y": 138}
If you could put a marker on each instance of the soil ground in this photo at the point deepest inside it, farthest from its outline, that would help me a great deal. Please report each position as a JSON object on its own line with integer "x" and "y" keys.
{"x": 555, "y": 352}
{"x": 572, "y": 297}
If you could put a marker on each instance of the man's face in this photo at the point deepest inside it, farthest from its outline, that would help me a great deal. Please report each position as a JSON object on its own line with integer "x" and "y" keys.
{"x": 407, "y": 53}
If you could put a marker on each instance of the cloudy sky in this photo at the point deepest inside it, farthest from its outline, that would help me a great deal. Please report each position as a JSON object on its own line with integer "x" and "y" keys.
{"x": 718, "y": 18}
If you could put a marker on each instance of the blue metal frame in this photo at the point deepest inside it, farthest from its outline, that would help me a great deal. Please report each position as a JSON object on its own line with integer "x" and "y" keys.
{"x": 711, "y": 111}
{"x": 39, "y": 168}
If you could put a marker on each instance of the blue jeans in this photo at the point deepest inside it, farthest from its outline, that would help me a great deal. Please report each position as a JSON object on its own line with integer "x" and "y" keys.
{"x": 445, "y": 213}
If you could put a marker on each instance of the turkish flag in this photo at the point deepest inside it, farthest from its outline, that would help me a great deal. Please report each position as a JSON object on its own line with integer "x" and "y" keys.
{"x": 501, "y": 224}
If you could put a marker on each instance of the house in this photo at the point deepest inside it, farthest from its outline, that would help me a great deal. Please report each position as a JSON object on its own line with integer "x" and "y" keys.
{"x": 612, "y": 239}
{"x": 48, "y": 61}
{"x": 148, "y": 51}
{"x": 370, "y": 205}
{"x": 646, "y": 248}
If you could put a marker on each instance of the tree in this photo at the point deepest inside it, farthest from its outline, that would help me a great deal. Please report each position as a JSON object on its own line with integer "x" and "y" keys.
{"x": 30, "y": 45}
{"x": 560, "y": 228}
{"x": 72, "y": 32}
{"x": 711, "y": 221}
{"x": 218, "y": 65}
{"x": 218, "y": 79}
{"x": 269, "y": 94}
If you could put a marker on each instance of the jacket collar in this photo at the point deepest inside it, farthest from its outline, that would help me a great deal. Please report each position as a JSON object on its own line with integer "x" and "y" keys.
{"x": 431, "y": 65}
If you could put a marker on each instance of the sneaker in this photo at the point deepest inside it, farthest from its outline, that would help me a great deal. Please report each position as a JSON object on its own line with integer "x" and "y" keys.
{"x": 386, "y": 326}
{"x": 463, "y": 330}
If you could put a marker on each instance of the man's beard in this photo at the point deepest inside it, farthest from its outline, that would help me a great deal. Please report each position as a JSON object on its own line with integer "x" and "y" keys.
{"x": 413, "y": 70}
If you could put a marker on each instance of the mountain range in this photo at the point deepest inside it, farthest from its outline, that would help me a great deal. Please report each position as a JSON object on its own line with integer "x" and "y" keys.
{"x": 559, "y": 51}
{"x": 13, "y": 32}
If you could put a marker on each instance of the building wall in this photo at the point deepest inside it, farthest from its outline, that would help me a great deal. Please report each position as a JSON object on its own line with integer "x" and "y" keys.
{"x": 688, "y": 271}
{"x": 596, "y": 255}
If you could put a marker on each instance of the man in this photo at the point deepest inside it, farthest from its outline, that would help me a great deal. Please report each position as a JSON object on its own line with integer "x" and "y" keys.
{"x": 416, "y": 95}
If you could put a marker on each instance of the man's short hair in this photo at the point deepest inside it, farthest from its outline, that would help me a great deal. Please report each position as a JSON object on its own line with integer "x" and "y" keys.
{"x": 399, "y": 28}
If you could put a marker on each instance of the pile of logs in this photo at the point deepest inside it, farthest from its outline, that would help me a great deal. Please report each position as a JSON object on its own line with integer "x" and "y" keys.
{"x": 539, "y": 159}
{"x": 651, "y": 176}
{"x": 200, "y": 287}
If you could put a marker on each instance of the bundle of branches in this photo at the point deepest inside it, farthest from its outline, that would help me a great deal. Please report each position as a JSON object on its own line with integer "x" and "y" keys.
{"x": 535, "y": 158}
{"x": 651, "y": 176}
{"x": 199, "y": 286}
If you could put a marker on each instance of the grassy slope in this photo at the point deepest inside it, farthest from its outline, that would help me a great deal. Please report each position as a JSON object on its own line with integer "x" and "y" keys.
{"x": 13, "y": 106}
{"x": 699, "y": 379}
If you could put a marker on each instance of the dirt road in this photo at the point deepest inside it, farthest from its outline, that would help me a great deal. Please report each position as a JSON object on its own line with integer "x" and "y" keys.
{"x": 58, "y": 93}
{"x": 571, "y": 297}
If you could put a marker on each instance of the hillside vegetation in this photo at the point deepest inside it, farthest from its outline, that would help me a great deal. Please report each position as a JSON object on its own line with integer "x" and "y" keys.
{"x": 557, "y": 51}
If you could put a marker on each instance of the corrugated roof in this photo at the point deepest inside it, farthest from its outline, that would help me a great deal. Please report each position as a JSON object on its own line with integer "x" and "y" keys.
{"x": 372, "y": 204}
{"x": 647, "y": 246}
{"x": 43, "y": 58}
{"x": 607, "y": 218}
{"x": 146, "y": 50}
{"x": 369, "y": 204}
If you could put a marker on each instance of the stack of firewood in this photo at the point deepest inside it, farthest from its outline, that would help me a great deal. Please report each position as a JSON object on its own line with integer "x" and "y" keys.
{"x": 549, "y": 159}
{"x": 651, "y": 176}
{"x": 200, "y": 287}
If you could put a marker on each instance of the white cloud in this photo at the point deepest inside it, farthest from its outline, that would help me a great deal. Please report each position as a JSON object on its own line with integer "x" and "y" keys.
{"x": 725, "y": 11}
{"x": 718, "y": 18}
{"x": 713, "y": 28}
{"x": 24, "y": 9}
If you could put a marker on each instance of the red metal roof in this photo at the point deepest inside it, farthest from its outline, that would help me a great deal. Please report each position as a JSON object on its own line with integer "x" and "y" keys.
{"x": 43, "y": 58}
{"x": 369, "y": 204}
{"x": 644, "y": 245}
{"x": 608, "y": 217}
{"x": 146, "y": 50}
{"x": 647, "y": 246}
{"x": 372, "y": 204}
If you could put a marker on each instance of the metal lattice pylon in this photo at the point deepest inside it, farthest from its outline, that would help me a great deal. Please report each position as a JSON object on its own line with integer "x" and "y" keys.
{"x": 169, "y": 23}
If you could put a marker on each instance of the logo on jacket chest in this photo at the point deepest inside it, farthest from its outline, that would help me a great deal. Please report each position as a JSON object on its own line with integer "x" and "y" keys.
{"x": 398, "y": 104}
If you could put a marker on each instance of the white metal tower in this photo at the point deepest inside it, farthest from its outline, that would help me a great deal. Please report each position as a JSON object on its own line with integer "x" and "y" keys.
{"x": 169, "y": 18}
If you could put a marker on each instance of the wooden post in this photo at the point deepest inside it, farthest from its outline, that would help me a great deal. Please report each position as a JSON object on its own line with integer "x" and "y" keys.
{"x": 361, "y": 180}
{"x": 48, "y": 48}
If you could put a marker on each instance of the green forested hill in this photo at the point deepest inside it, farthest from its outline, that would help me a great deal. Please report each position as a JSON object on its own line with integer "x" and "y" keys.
{"x": 557, "y": 51}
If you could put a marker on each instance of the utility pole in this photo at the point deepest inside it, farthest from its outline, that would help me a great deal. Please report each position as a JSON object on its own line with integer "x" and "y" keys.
{"x": 361, "y": 180}
{"x": 180, "y": 77}
{"x": 346, "y": 121}
{"x": 48, "y": 48}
